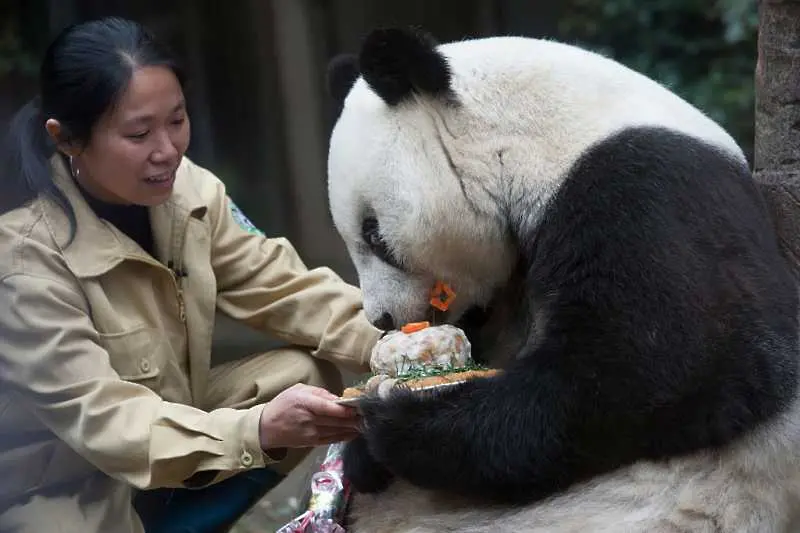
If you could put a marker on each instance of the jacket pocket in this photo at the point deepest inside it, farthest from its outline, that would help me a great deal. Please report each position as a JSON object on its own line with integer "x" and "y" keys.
{"x": 137, "y": 354}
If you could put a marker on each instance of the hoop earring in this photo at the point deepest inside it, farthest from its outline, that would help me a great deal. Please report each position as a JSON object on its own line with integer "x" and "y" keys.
{"x": 73, "y": 170}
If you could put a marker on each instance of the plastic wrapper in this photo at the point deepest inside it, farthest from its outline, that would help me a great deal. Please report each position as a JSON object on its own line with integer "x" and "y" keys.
{"x": 330, "y": 492}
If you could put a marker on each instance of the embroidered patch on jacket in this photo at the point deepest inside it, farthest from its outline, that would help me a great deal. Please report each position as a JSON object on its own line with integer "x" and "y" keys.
{"x": 242, "y": 220}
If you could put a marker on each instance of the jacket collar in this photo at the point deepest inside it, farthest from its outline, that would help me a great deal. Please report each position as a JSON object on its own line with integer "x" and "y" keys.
{"x": 98, "y": 246}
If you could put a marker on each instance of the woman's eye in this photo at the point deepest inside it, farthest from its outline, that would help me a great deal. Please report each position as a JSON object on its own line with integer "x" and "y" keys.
{"x": 138, "y": 136}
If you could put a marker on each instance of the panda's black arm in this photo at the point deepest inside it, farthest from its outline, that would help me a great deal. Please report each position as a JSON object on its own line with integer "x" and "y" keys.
{"x": 469, "y": 447}
{"x": 559, "y": 416}
{"x": 508, "y": 438}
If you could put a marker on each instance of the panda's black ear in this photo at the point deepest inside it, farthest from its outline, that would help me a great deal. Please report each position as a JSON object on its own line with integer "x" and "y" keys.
{"x": 396, "y": 63}
{"x": 341, "y": 75}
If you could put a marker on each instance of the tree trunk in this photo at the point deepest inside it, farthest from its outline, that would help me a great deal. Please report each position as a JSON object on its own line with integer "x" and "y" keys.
{"x": 777, "y": 119}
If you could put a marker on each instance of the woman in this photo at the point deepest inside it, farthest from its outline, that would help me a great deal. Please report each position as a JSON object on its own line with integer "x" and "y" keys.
{"x": 115, "y": 253}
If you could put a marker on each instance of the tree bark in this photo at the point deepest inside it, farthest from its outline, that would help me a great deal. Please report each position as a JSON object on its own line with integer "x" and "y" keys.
{"x": 777, "y": 119}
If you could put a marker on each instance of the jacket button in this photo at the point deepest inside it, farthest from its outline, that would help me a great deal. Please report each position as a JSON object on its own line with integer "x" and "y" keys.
{"x": 144, "y": 365}
{"x": 247, "y": 459}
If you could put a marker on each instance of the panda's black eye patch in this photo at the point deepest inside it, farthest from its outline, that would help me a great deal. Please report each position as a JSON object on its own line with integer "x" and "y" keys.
{"x": 371, "y": 233}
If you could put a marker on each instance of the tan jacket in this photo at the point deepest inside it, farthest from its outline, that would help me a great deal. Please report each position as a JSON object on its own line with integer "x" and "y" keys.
{"x": 104, "y": 351}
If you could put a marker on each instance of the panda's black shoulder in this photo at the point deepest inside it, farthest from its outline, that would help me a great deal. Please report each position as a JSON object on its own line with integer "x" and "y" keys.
{"x": 658, "y": 257}
{"x": 651, "y": 201}
{"x": 643, "y": 182}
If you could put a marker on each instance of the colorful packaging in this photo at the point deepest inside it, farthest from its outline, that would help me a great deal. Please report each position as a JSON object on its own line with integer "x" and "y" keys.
{"x": 329, "y": 496}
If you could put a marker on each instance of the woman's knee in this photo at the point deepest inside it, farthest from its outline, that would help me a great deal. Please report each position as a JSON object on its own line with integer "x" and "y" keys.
{"x": 322, "y": 373}
{"x": 314, "y": 371}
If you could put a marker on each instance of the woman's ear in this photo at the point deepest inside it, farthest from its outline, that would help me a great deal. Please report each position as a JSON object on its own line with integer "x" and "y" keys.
{"x": 56, "y": 132}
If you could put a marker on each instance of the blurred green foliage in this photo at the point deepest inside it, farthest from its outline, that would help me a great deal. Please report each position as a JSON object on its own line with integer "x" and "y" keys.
{"x": 16, "y": 54}
{"x": 14, "y": 58}
{"x": 704, "y": 50}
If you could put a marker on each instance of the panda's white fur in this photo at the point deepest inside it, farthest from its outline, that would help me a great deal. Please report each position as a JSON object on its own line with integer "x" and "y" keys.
{"x": 451, "y": 175}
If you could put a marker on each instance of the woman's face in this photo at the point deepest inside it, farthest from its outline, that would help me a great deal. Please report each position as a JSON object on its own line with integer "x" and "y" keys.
{"x": 136, "y": 147}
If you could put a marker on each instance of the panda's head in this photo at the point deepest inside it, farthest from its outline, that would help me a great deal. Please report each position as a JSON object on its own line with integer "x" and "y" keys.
{"x": 444, "y": 156}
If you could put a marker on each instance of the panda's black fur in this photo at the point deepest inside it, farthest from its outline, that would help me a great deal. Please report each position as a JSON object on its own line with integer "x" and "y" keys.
{"x": 661, "y": 320}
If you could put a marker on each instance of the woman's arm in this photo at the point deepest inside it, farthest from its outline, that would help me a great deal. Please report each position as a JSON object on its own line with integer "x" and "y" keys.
{"x": 52, "y": 362}
{"x": 264, "y": 283}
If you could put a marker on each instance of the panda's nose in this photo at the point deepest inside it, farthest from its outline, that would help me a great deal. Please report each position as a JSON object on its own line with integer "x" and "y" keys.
{"x": 385, "y": 322}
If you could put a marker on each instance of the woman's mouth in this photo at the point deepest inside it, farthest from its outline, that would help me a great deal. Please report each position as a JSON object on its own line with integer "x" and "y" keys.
{"x": 161, "y": 179}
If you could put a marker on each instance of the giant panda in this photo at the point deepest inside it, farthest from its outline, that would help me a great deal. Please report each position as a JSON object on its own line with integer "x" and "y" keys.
{"x": 609, "y": 251}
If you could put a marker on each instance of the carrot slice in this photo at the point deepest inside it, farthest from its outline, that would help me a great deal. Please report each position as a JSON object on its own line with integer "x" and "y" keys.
{"x": 411, "y": 327}
{"x": 442, "y": 296}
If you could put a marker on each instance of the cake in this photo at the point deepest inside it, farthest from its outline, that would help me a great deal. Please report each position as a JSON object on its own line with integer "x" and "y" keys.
{"x": 419, "y": 356}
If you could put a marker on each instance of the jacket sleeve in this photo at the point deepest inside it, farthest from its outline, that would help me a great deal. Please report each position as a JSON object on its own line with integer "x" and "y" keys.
{"x": 51, "y": 361}
{"x": 264, "y": 283}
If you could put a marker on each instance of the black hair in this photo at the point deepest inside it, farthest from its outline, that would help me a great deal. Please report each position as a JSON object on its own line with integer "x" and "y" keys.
{"x": 83, "y": 73}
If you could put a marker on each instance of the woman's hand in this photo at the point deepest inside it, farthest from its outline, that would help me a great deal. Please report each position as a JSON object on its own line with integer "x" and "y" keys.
{"x": 304, "y": 416}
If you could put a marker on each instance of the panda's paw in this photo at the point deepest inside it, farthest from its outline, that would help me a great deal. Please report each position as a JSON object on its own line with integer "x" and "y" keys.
{"x": 395, "y": 430}
{"x": 362, "y": 470}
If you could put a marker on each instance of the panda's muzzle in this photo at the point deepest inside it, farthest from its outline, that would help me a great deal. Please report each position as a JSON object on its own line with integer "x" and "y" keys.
{"x": 385, "y": 322}
{"x": 472, "y": 319}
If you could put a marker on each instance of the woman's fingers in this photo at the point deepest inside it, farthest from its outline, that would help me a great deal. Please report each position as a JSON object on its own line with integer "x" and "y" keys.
{"x": 322, "y": 407}
{"x": 330, "y": 422}
{"x": 330, "y": 437}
